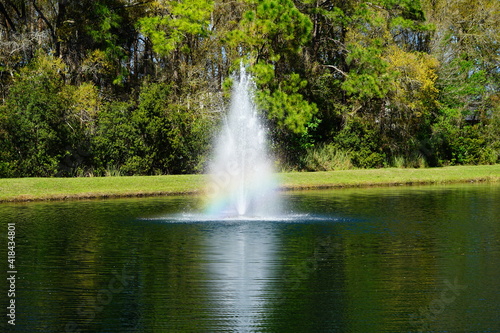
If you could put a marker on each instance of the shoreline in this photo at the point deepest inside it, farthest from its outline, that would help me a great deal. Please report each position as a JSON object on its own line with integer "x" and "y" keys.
{"x": 58, "y": 189}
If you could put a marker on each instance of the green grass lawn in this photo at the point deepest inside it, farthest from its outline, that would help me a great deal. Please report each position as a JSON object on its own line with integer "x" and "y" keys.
{"x": 390, "y": 176}
{"x": 25, "y": 189}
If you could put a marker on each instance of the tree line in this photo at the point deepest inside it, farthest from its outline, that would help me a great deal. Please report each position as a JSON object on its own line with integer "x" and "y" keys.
{"x": 138, "y": 87}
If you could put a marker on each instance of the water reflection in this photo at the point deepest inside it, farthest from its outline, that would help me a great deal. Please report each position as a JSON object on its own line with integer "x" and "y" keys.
{"x": 382, "y": 261}
{"x": 240, "y": 261}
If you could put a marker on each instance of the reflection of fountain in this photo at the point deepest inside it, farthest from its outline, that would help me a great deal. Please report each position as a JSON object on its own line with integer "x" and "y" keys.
{"x": 240, "y": 275}
{"x": 242, "y": 182}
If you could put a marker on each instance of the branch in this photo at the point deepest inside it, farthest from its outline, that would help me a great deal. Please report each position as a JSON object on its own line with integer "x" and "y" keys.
{"x": 341, "y": 45}
{"x": 375, "y": 6}
{"x": 49, "y": 25}
{"x": 19, "y": 14}
{"x": 133, "y": 4}
{"x": 7, "y": 17}
{"x": 53, "y": 33}
{"x": 337, "y": 69}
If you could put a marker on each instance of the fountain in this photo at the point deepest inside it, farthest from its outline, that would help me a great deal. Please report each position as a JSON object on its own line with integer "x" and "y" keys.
{"x": 242, "y": 182}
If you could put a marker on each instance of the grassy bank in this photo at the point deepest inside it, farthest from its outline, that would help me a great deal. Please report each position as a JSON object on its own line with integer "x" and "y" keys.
{"x": 27, "y": 189}
{"x": 390, "y": 177}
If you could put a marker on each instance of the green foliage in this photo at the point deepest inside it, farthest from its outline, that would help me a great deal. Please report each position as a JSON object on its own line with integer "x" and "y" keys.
{"x": 326, "y": 158}
{"x": 363, "y": 143}
{"x": 264, "y": 73}
{"x": 38, "y": 133}
{"x": 105, "y": 35}
{"x": 174, "y": 137}
{"x": 465, "y": 86}
{"x": 413, "y": 161}
{"x": 283, "y": 102}
{"x": 270, "y": 29}
{"x": 458, "y": 143}
{"x": 270, "y": 32}
{"x": 115, "y": 141}
{"x": 113, "y": 87}
{"x": 184, "y": 18}
{"x": 153, "y": 138}
{"x": 287, "y": 110}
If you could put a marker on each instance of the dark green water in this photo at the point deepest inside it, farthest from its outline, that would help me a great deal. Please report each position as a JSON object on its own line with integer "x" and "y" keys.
{"x": 356, "y": 260}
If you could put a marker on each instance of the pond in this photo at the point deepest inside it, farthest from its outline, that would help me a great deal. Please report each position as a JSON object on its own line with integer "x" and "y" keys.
{"x": 408, "y": 259}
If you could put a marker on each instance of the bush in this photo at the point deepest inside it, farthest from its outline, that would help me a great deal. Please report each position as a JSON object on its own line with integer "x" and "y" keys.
{"x": 174, "y": 137}
{"x": 364, "y": 144}
{"x": 154, "y": 137}
{"x": 416, "y": 160}
{"x": 114, "y": 141}
{"x": 456, "y": 142}
{"x": 326, "y": 158}
{"x": 38, "y": 134}
{"x": 365, "y": 158}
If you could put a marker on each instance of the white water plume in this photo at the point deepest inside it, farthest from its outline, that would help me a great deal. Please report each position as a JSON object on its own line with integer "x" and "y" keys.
{"x": 242, "y": 182}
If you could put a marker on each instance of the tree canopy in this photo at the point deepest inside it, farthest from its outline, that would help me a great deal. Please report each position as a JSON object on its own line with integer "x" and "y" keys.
{"x": 139, "y": 87}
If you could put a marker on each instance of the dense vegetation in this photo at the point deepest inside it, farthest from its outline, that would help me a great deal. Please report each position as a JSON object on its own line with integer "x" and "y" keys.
{"x": 139, "y": 87}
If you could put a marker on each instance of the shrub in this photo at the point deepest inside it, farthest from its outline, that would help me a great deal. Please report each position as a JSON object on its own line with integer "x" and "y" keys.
{"x": 153, "y": 137}
{"x": 415, "y": 160}
{"x": 326, "y": 158}
{"x": 35, "y": 122}
{"x": 363, "y": 142}
{"x": 457, "y": 143}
